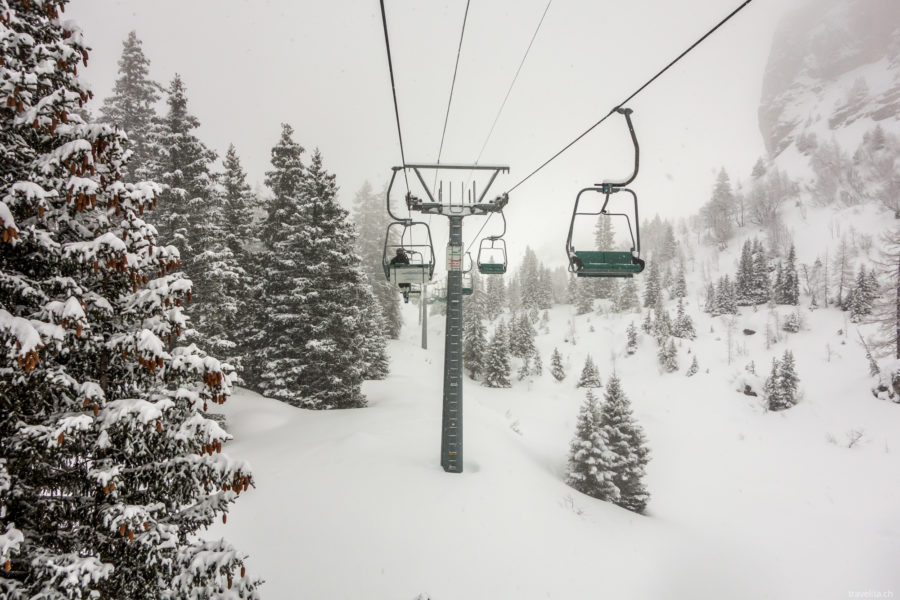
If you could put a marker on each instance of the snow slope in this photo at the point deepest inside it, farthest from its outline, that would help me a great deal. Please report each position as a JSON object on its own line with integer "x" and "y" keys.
{"x": 745, "y": 504}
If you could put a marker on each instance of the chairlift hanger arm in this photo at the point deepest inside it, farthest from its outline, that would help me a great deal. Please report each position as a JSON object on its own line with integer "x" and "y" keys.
{"x": 637, "y": 153}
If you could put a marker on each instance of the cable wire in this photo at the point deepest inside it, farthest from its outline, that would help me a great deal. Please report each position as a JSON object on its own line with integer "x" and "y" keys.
{"x": 515, "y": 77}
{"x": 629, "y": 98}
{"x": 387, "y": 45}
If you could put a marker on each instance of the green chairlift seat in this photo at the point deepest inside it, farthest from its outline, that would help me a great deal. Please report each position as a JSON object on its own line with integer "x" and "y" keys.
{"x": 600, "y": 263}
{"x": 492, "y": 268}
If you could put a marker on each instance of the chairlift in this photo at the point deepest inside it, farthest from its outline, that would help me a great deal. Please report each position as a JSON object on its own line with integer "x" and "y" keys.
{"x": 467, "y": 287}
{"x": 400, "y": 241}
{"x": 609, "y": 262}
{"x": 492, "y": 253}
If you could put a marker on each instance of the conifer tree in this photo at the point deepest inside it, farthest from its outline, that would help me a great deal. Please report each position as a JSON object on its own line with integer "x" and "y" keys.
{"x": 761, "y": 286}
{"x": 474, "y": 343}
{"x": 584, "y": 302}
{"x": 628, "y": 454}
{"x": 109, "y": 470}
{"x": 790, "y": 283}
{"x": 726, "y": 302}
{"x": 496, "y": 363}
{"x": 591, "y": 464}
{"x": 667, "y": 355}
{"x": 632, "y": 339}
{"x": 375, "y": 356}
{"x": 683, "y": 327}
{"x": 692, "y": 370}
{"x": 285, "y": 180}
{"x": 495, "y": 301}
{"x": 181, "y": 162}
{"x": 662, "y": 323}
{"x": 530, "y": 295}
{"x": 131, "y": 106}
{"x": 781, "y": 387}
{"x": 372, "y": 220}
{"x": 652, "y": 287}
{"x": 861, "y": 298}
{"x": 538, "y": 366}
{"x": 521, "y": 337}
{"x": 316, "y": 291}
{"x": 556, "y": 366}
{"x": 709, "y": 306}
{"x": 590, "y": 376}
{"x": 604, "y": 238}
{"x": 744, "y": 279}
{"x": 680, "y": 289}
{"x": 647, "y": 323}
{"x": 626, "y": 298}
{"x": 572, "y": 289}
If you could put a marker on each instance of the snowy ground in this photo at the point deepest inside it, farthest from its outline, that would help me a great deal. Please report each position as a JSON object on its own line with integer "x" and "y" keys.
{"x": 745, "y": 504}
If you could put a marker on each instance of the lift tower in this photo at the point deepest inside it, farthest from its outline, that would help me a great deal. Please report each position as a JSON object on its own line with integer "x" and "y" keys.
{"x": 471, "y": 201}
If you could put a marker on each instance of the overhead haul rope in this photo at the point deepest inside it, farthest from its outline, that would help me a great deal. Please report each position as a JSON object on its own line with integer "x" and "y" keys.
{"x": 462, "y": 34}
{"x": 503, "y": 105}
{"x": 515, "y": 77}
{"x": 387, "y": 45}
{"x": 629, "y": 98}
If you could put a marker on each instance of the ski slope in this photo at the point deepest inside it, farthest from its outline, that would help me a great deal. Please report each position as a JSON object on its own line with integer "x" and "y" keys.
{"x": 744, "y": 504}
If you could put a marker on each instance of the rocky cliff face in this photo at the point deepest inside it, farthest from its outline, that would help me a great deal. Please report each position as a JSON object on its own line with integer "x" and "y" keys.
{"x": 833, "y": 64}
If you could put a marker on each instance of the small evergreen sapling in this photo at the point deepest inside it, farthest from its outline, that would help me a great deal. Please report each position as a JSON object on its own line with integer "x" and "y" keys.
{"x": 632, "y": 339}
{"x": 692, "y": 370}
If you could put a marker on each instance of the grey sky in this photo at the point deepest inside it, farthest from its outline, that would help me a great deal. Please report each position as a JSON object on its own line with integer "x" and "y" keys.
{"x": 321, "y": 66}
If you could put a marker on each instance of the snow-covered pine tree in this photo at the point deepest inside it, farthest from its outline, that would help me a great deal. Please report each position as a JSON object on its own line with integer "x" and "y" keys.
{"x": 683, "y": 327}
{"x": 692, "y": 370}
{"x": 628, "y": 454}
{"x": 590, "y": 376}
{"x": 680, "y": 288}
{"x": 885, "y": 312}
{"x": 109, "y": 470}
{"x": 632, "y": 339}
{"x": 761, "y": 286}
{"x": 591, "y": 464}
{"x": 538, "y": 366}
{"x": 496, "y": 362}
{"x": 315, "y": 299}
{"x": 237, "y": 204}
{"x": 529, "y": 281}
{"x": 709, "y": 306}
{"x": 726, "y": 302}
{"x": 584, "y": 301}
{"x": 376, "y": 361}
{"x": 556, "y": 366}
{"x": 372, "y": 220}
{"x": 181, "y": 162}
{"x": 572, "y": 290}
{"x": 285, "y": 181}
{"x": 521, "y": 337}
{"x": 474, "y": 343}
{"x": 861, "y": 298}
{"x": 718, "y": 213}
{"x": 788, "y": 382}
{"x": 131, "y": 107}
{"x": 770, "y": 387}
{"x": 652, "y": 286}
{"x": 662, "y": 322}
{"x": 667, "y": 355}
{"x": 647, "y": 323}
{"x": 790, "y": 293}
{"x": 626, "y": 298}
{"x": 495, "y": 297}
{"x": 744, "y": 291}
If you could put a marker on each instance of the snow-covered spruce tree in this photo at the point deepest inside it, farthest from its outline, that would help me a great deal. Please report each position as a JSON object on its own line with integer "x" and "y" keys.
{"x": 626, "y": 298}
{"x": 591, "y": 464}
{"x": 556, "y": 366}
{"x": 131, "y": 107}
{"x": 787, "y": 286}
{"x": 538, "y": 366}
{"x": 709, "y": 305}
{"x": 181, "y": 162}
{"x": 683, "y": 327}
{"x": 496, "y": 361}
{"x": 632, "y": 339}
{"x": 692, "y": 370}
{"x": 315, "y": 297}
{"x": 652, "y": 286}
{"x": 628, "y": 454}
{"x": 239, "y": 235}
{"x": 726, "y": 302}
{"x": 744, "y": 278}
{"x": 372, "y": 220}
{"x": 108, "y": 468}
{"x": 590, "y": 376}
{"x": 474, "y": 343}
{"x": 572, "y": 290}
{"x": 521, "y": 337}
{"x": 495, "y": 297}
{"x": 761, "y": 286}
{"x": 376, "y": 361}
{"x": 861, "y": 298}
{"x": 680, "y": 288}
{"x": 781, "y": 386}
{"x": 667, "y": 355}
{"x": 662, "y": 322}
{"x": 584, "y": 299}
